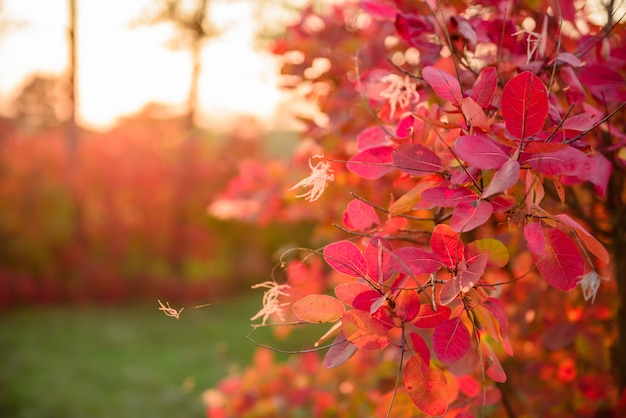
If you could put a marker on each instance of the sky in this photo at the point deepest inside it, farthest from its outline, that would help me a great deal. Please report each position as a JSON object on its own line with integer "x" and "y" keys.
{"x": 121, "y": 68}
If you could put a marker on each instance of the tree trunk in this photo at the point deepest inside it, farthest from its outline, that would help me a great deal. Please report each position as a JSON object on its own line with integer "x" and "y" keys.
{"x": 616, "y": 202}
{"x": 72, "y": 131}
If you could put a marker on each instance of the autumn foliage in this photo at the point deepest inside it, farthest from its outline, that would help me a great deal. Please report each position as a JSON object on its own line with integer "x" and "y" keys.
{"x": 474, "y": 153}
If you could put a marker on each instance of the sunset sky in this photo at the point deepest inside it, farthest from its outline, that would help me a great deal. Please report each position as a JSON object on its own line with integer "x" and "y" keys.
{"x": 121, "y": 68}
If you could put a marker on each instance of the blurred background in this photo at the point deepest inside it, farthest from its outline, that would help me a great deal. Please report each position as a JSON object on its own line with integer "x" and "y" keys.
{"x": 121, "y": 122}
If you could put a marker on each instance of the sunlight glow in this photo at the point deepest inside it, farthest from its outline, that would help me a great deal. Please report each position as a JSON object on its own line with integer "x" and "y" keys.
{"x": 121, "y": 69}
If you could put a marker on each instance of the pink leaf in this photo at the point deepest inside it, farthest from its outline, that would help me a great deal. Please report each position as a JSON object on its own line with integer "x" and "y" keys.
{"x": 445, "y": 197}
{"x": 535, "y": 239}
{"x": 372, "y": 137}
{"x": 429, "y": 318}
{"x": 415, "y": 261}
{"x": 378, "y": 253}
{"x": 318, "y": 308}
{"x": 346, "y": 292}
{"x": 599, "y": 174}
{"x": 379, "y": 9}
{"x": 450, "y": 290}
{"x": 361, "y": 216}
{"x": 469, "y": 215}
{"x": 524, "y": 105}
{"x": 560, "y": 264}
{"x": 427, "y": 386}
{"x": 345, "y": 257}
{"x": 485, "y": 87}
{"x": 416, "y": 159}
{"x": 491, "y": 363}
{"x": 451, "y": 340}
{"x": 444, "y": 84}
{"x": 506, "y": 176}
{"x": 604, "y": 82}
{"x": 420, "y": 347}
{"x": 447, "y": 244}
{"x": 474, "y": 114}
{"x": 569, "y": 58}
{"x": 575, "y": 92}
{"x": 472, "y": 274}
{"x": 365, "y": 331}
{"x": 340, "y": 352}
{"x": 480, "y": 151}
{"x": 555, "y": 159}
{"x": 371, "y": 163}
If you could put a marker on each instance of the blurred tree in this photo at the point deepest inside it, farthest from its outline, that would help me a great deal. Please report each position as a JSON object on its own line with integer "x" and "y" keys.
{"x": 192, "y": 21}
{"x": 39, "y": 104}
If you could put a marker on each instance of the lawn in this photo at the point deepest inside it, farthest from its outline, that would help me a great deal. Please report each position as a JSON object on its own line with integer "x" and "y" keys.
{"x": 118, "y": 362}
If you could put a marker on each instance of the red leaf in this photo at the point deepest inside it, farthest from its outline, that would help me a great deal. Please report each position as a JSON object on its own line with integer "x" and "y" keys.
{"x": 415, "y": 261}
{"x": 561, "y": 264}
{"x": 345, "y": 257}
{"x": 428, "y": 318}
{"x": 491, "y": 363}
{"x": 372, "y": 137}
{"x": 485, "y": 87}
{"x": 451, "y": 340}
{"x": 444, "y": 84}
{"x": 318, "y": 308}
{"x": 535, "y": 239}
{"x": 361, "y": 216}
{"x": 371, "y": 163}
{"x": 340, "y": 352}
{"x": 416, "y": 159}
{"x": 469, "y": 215}
{"x": 407, "y": 304}
{"x": 346, "y": 292}
{"x": 480, "y": 151}
{"x": 524, "y": 105}
{"x": 506, "y": 176}
{"x": 365, "y": 331}
{"x": 420, "y": 347}
{"x": 365, "y": 301}
{"x": 447, "y": 244}
{"x": 427, "y": 386}
{"x": 591, "y": 243}
{"x": 378, "y": 9}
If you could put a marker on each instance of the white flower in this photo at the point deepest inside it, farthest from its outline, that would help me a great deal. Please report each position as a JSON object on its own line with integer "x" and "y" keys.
{"x": 399, "y": 91}
{"x": 317, "y": 180}
{"x": 590, "y": 283}
{"x": 270, "y": 300}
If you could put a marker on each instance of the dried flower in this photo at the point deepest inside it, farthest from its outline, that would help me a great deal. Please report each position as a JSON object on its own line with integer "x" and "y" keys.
{"x": 399, "y": 92}
{"x": 169, "y": 311}
{"x": 590, "y": 283}
{"x": 317, "y": 180}
{"x": 270, "y": 300}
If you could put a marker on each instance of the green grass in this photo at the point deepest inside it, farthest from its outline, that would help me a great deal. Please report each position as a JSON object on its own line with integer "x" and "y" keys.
{"x": 124, "y": 362}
